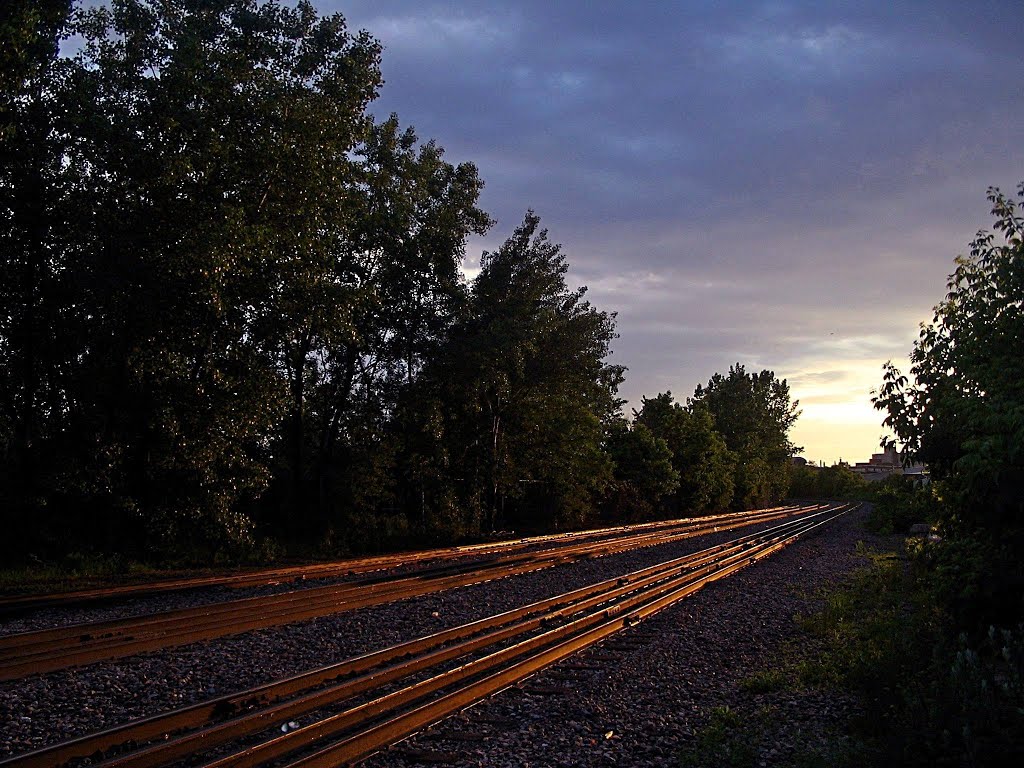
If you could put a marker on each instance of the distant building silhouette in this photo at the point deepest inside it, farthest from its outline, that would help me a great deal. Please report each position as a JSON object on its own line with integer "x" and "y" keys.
{"x": 882, "y": 465}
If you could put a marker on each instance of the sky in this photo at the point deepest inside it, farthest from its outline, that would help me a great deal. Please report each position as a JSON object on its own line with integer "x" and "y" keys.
{"x": 779, "y": 184}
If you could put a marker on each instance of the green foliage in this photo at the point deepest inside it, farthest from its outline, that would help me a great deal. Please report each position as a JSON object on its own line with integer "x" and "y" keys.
{"x": 750, "y": 410}
{"x": 865, "y": 629}
{"x": 527, "y": 389}
{"x": 963, "y": 413}
{"x": 933, "y": 698}
{"x": 643, "y": 472}
{"x": 765, "y": 681}
{"x": 975, "y": 580}
{"x": 835, "y": 482}
{"x": 753, "y": 413}
{"x": 238, "y": 273}
{"x": 721, "y": 742}
{"x": 955, "y": 697}
{"x": 760, "y": 737}
{"x": 900, "y": 501}
{"x": 752, "y": 471}
{"x": 201, "y": 148}
{"x": 699, "y": 455}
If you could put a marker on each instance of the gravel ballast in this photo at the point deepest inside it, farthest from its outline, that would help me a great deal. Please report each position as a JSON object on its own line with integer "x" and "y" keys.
{"x": 677, "y": 662}
{"x": 141, "y": 605}
{"x": 656, "y": 684}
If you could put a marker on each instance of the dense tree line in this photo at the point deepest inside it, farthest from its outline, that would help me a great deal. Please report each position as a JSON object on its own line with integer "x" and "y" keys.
{"x": 727, "y": 447}
{"x": 835, "y": 482}
{"x": 231, "y": 305}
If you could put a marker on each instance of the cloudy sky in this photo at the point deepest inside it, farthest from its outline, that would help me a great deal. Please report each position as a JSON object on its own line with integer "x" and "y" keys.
{"x": 781, "y": 184}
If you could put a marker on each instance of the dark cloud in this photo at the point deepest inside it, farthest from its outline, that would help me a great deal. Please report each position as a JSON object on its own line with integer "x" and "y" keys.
{"x": 784, "y": 184}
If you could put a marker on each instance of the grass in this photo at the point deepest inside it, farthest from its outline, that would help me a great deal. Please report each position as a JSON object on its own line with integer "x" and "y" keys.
{"x": 733, "y": 740}
{"x": 76, "y": 571}
{"x": 868, "y": 629}
{"x": 725, "y": 741}
{"x": 765, "y": 681}
{"x": 931, "y": 695}
{"x": 859, "y": 637}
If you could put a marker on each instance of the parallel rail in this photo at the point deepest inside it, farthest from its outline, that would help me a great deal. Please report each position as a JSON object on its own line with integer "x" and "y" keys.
{"x": 20, "y": 604}
{"x": 48, "y": 650}
{"x": 431, "y": 677}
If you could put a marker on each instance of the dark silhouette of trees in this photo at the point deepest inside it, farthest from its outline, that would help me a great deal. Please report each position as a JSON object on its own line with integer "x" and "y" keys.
{"x": 220, "y": 274}
{"x": 729, "y": 445}
{"x": 699, "y": 455}
{"x": 753, "y": 413}
{"x": 231, "y": 308}
{"x": 643, "y": 474}
{"x": 835, "y": 482}
{"x": 528, "y": 389}
{"x": 32, "y": 286}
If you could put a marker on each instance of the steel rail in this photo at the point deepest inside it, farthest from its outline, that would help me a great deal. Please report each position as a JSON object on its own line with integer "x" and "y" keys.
{"x": 117, "y": 626}
{"x": 475, "y": 680}
{"x": 47, "y": 650}
{"x": 14, "y": 604}
{"x": 110, "y": 630}
{"x": 213, "y": 728}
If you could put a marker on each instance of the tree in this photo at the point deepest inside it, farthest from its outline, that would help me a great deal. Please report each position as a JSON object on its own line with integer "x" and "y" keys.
{"x": 32, "y": 148}
{"x": 217, "y": 171}
{"x": 753, "y": 413}
{"x": 525, "y": 375}
{"x": 419, "y": 209}
{"x": 699, "y": 454}
{"x": 239, "y": 275}
{"x": 643, "y": 471}
{"x": 963, "y": 412}
{"x": 835, "y": 482}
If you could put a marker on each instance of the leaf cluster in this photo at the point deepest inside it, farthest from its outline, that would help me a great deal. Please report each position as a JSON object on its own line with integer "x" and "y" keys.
{"x": 961, "y": 409}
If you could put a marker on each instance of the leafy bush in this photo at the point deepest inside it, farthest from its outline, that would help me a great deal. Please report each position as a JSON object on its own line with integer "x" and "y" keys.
{"x": 900, "y": 502}
{"x": 933, "y": 697}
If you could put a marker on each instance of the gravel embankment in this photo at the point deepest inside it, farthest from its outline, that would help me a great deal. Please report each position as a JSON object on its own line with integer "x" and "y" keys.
{"x": 657, "y": 682}
{"x": 43, "y": 709}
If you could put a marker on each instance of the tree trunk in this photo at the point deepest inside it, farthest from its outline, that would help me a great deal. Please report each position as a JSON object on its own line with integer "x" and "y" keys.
{"x": 339, "y": 404}
{"x": 298, "y": 432}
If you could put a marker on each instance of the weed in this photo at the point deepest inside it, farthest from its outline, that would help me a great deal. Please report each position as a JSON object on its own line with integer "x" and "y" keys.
{"x": 734, "y": 741}
{"x": 931, "y": 699}
{"x": 765, "y": 681}
{"x": 722, "y": 742}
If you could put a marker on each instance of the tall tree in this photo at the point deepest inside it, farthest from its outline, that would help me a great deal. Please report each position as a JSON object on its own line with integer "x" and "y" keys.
{"x": 31, "y": 172}
{"x": 643, "y": 472}
{"x": 753, "y": 413}
{"x": 205, "y": 198}
{"x": 962, "y": 410}
{"x": 529, "y": 386}
{"x": 240, "y": 273}
{"x": 415, "y": 215}
{"x": 699, "y": 454}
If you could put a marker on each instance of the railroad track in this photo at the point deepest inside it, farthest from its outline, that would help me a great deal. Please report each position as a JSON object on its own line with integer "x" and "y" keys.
{"x": 353, "y": 708}
{"x": 47, "y": 650}
{"x": 20, "y": 604}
